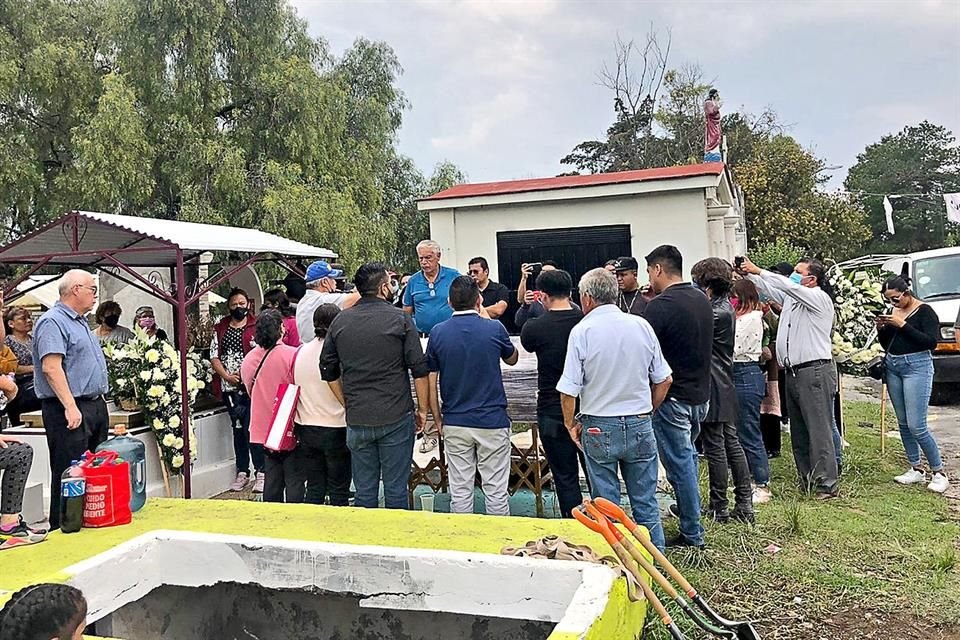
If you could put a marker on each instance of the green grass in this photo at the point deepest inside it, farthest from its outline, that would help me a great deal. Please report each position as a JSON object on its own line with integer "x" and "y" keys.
{"x": 881, "y": 547}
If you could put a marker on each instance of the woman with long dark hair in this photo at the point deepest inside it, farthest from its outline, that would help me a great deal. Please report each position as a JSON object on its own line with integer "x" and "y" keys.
{"x": 721, "y": 445}
{"x": 750, "y": 381}
{"x": 277, "y": 299}
{"x": 908, "y": 334}
{"x": 264, "y": 369}
{"x": 321, "y": 425}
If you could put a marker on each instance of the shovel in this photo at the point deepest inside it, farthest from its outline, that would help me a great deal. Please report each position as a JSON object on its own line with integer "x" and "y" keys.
{"x": 604, "y": 528}
{"x": 645, "y": 564}
{"x": 743, "y": 630}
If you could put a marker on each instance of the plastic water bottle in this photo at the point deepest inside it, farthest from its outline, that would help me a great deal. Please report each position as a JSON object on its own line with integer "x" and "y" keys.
{"x": 73, "y": 486}
{"x": 135, "y": 453}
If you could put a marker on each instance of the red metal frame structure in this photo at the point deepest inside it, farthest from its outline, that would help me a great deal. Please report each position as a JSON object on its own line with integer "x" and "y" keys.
{"x": 122, "y": 243}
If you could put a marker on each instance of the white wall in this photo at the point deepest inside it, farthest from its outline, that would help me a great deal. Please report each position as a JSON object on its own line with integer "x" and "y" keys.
{"x": 678, "y": 218}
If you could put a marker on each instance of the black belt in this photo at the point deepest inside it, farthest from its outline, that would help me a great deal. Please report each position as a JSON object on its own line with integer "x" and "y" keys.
{"x": 809, "y": 363}
{"x": 76, "y": 399}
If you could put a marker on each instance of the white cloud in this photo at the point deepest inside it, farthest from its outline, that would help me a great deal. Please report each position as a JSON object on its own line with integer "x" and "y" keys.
{"x": 482, "y": 120}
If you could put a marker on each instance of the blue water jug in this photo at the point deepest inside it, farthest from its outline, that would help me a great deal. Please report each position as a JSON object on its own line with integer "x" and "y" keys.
{"x": 135, "y": 453}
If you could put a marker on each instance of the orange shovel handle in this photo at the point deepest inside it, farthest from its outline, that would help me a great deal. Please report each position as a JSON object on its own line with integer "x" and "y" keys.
{"x": 614, "y": 511}
{"x": 600, "y": 526}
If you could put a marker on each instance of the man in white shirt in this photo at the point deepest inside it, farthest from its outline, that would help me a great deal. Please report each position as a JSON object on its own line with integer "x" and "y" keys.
{"x": 607, "y": 352}
{"x": 321, "y": 289}
{"x": 804, "y": 351}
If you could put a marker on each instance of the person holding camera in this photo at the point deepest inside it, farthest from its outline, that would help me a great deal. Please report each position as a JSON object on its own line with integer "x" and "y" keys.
{"x": 531, "y": 302}
{"x": 908, "y": 334}
{"x": 804, "y": 351}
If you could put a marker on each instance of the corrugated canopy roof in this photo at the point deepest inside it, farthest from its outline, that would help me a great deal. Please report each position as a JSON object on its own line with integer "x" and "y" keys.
{"x": 569, "y": 182}
{"x": 138, "y": 241}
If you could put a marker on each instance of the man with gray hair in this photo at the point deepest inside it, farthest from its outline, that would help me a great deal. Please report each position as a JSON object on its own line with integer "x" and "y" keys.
{"x": 425, "y": 298}
{"x": 606, "y": 352}
{"x": 321, "y": 283}
{"x": 70, "y": 379}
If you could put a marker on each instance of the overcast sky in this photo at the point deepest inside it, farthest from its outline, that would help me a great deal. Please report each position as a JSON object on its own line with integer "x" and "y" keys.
{"x": 505, "y": 89}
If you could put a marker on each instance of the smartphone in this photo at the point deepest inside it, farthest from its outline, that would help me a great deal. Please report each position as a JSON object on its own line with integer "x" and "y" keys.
{"x": 738, "y": 262}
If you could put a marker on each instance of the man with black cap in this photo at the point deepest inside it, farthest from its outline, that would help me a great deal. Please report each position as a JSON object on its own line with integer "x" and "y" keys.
{"x": 321, "y": 289}
{"x": 630, "y": 300}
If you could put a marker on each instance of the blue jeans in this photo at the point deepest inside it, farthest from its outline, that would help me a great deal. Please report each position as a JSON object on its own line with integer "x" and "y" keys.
{"x": 238, "y": 408}
{"x": 385, "y": 452}
{"x": 626, "y": 442}
{"x": 676, "y": 425}
{"x": 910, "y": 380}
{"x": 751, "y": 384}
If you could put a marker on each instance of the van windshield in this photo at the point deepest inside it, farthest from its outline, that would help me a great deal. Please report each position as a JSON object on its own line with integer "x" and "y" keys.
{"x": 937, "y": 277}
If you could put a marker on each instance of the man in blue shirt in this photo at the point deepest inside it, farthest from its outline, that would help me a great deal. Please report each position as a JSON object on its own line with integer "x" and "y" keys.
{"x": 465, "y": 353}
{"x": 71, "y": 379}
{"x": 425, "y": 297}
{"x": 615, "y": 366}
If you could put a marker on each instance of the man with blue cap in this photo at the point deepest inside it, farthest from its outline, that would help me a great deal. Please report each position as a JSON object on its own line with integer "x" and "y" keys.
{"x": 321, "y": 281}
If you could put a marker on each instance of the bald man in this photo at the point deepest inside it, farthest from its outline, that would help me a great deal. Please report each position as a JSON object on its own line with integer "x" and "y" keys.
{"x": 71, "y": 379}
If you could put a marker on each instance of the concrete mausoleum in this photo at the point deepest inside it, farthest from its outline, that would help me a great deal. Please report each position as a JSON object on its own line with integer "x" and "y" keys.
{"x": 584, "y": 220}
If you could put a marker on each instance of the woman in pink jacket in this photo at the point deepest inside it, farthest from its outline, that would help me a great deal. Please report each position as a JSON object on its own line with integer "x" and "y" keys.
{"x": 265, "y": 368}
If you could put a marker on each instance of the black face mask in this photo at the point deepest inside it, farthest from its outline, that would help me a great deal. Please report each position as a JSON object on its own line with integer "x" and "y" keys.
{"x": 238, "y": 313}
{"x": 111, "y": 321}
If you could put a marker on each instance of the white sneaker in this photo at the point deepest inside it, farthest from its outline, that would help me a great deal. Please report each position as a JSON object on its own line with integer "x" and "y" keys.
{"x": 258, "y": 483}
{"x": 912, "y": 476}
{"x": 939, "y": 483}
{"x": 240, "y": 483}
{"x": 762, "y": 495}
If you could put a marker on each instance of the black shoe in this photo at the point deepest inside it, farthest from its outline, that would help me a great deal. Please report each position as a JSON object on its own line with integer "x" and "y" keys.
{"x": 720, "y": 517}
{"x": 742, "y": 515}
{"x": 773, "y": 454}
{"x": 680, "y": 541}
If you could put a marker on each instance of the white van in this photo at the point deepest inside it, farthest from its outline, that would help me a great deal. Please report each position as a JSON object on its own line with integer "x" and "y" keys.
{"x": 936, "y": 281}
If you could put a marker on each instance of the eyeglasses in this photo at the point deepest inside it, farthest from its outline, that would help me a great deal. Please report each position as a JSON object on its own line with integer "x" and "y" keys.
{"x": 475, "y": 272}
{"x": 894, "y": 299}
{"x": 93, "y": 288}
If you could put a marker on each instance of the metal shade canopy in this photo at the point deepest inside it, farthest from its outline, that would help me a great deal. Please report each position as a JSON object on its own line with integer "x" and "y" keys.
{"x": 119, "y": 243}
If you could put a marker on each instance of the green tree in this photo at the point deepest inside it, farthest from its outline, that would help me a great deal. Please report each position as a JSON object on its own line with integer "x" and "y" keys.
{"x": 921, "y": 159}
{"x": 629, "y": 143}
{"x": 223, "y": 111}
{"x": 783, "y": 204}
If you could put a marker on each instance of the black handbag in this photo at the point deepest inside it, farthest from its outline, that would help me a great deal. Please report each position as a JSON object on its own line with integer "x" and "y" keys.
{"x": 878, "y": 369}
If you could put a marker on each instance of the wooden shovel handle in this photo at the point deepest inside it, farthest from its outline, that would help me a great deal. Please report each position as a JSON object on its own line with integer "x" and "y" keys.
{"x": 614, "y": 511}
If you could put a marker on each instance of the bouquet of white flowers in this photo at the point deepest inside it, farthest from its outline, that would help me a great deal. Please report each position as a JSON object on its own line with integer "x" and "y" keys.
{"x": 147, "y": 371}
{"x": 858, "y": 301}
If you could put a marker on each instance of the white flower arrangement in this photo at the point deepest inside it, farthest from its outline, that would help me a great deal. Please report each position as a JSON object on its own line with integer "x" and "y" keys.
{"x": 858, "y": 301}
{"x": 147, "y": 371}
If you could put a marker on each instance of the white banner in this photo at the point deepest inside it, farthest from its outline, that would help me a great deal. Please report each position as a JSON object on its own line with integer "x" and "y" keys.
{"x": 952, "y": 201}
{"x": 888, "y": 212}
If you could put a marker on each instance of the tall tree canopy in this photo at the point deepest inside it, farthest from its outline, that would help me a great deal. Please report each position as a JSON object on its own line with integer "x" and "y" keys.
{"x": 920, "y": 160}
{"x": 780, "y": 179}
{"x": 223, "y": 111}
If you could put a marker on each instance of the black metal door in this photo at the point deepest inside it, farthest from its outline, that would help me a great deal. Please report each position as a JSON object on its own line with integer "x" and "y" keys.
{"x": 575, "y": 249}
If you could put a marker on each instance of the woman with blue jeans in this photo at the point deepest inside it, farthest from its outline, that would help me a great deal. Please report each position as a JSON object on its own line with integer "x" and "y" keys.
{"x": 908, "y": 334}
{"x": 750, "y": 381}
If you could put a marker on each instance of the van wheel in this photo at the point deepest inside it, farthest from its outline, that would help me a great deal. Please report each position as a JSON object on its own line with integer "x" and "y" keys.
{"x": 944, "y": 394}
